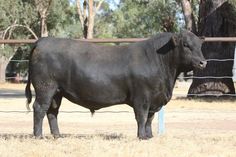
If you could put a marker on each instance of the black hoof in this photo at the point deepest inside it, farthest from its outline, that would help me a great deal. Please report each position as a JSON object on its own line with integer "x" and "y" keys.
{"x": 143, "y": 138}
{"x": 149, "y": 136}
{"x": 39, "y": 137}
{"x": 57, "y": 136}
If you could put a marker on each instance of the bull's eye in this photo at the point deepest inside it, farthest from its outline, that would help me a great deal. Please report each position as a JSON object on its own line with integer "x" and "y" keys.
{"x": 187, "y": 46}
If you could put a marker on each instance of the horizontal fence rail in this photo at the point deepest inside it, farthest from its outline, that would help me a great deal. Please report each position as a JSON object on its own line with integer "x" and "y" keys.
{"x": 85, "y": 112}
{"x": 116, "y": 40}
{"x": 207, "y": 77}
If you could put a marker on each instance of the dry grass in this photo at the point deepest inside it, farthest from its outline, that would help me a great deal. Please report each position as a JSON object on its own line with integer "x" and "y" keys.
{"x": 193, "y": 128}
{"x": 172, "y": 144}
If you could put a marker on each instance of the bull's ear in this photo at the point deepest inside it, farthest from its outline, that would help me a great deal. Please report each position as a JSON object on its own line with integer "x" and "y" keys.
{"x": 171, "y": 43}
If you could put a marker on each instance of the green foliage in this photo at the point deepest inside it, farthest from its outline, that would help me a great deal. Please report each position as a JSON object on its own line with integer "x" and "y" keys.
{"x": 233, "y": 3}
{"x": 17, "y": 12}
{"x": 104, "y": 27}
{"x": 7, "y": 51}
{"x": 63, "y": 20}
{"x": 131, "y": 19}
{"x": 136, "y": 19}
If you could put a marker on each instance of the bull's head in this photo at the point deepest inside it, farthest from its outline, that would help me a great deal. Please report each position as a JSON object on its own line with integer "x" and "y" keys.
{"x": 191, "y": 53}
{"x": 188, "y": 46}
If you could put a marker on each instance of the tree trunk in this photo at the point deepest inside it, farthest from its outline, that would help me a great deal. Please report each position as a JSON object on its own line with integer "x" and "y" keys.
{"x": 87, "y": 16}
{"x": 188, "y": 15}
{"x": 42, "y": 7}
{"x": 85, "y": 19}
{"x": 215, "y": 20}
{"x": 43, "y": 25}
{"x": 3, "y": 65}
{"x": 90, "y": 20}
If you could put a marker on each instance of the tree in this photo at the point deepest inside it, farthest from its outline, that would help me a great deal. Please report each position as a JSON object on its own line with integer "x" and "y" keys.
{"x": 216, "y": 19}
{"x": 188, "y": 11}
{"x": 144, "y": 18}
{"x": 103, "y": 26}
{"x": 16, "y": 17}
{"x": 3, "y": 65}
{"x": 20, "y": 19}
{"x": 42, "y": 7}
{"x": 87, "y": 14}
{"x": 63, "y": 20}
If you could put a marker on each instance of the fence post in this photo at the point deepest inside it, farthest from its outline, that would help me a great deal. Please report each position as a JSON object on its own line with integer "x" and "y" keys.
{"x": 161, "y": 123}
{"x": 234, "y": 66}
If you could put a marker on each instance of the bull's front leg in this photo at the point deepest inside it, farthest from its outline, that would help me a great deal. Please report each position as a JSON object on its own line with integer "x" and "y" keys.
{"x": 148, "y": 126}
{"x": 52, "y": 115}
{"x": 141, "y": 116}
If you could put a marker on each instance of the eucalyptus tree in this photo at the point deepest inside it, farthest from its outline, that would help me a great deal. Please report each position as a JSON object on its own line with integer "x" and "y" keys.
{"x": 138, "y": 18}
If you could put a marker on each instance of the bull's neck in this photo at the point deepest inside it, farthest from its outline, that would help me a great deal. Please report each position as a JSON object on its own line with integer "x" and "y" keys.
{"x": 171, "y": 65}
{"x": 167, "y": 63}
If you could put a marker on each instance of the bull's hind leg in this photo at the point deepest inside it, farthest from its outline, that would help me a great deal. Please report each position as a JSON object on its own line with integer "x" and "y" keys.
{"x": 52, "y": 115}
{"x": 41, "y": 105}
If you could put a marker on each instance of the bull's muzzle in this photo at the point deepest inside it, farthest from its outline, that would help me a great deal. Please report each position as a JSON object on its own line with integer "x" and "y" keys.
{"x": 202, "y": 64}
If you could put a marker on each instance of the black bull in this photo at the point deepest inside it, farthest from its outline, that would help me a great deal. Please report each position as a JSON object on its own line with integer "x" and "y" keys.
{"x": 141, "y": 75}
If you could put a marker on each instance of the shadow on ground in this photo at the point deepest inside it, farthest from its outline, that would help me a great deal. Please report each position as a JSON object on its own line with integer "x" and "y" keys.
{"x": 104, "y": 136}
{"x": 12, "y": 93}
{"x": 209, "y": 99}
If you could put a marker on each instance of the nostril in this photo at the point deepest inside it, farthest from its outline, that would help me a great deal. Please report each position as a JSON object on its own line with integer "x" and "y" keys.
{"x": 203, "y": 63}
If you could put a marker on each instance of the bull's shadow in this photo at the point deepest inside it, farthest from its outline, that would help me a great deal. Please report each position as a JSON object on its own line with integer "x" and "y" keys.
{"x": 104, "y": 136}
{"x": 210, "y": 98}
{"x": 12, "y": 93}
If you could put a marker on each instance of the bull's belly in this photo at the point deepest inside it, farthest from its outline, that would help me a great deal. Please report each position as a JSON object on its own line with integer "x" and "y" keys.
{"x": 95, "y": 99}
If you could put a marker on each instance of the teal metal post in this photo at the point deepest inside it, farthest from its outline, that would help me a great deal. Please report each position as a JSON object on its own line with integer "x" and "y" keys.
{"x": 161, "y": 122}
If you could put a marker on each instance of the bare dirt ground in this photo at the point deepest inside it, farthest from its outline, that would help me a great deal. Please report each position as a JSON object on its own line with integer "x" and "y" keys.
{"x": 193, "y": 128}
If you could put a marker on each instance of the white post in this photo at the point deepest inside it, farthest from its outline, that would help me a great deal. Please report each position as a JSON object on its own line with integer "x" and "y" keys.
{"x": 234, "y": 66}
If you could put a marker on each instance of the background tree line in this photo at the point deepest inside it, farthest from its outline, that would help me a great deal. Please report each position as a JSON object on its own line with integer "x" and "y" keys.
{"x": 28, "y": 19}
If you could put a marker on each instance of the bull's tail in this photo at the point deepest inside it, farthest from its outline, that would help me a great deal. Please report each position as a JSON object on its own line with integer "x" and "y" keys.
{"x": 28, "y": 93}
{"x": 92, "y": 112}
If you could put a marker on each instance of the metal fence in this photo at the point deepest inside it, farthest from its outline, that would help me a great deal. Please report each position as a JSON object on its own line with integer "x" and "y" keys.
{"x": 117, "y": 40}
{"x": 121, "y": 40}
{"x": 161, "y": 125}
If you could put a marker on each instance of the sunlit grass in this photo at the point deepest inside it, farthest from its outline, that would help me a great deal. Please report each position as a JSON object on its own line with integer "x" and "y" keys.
{"x": 193, "y": 128}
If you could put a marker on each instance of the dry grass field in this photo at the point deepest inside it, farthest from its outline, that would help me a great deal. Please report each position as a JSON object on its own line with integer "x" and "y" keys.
{"x": 194, "y": 128}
